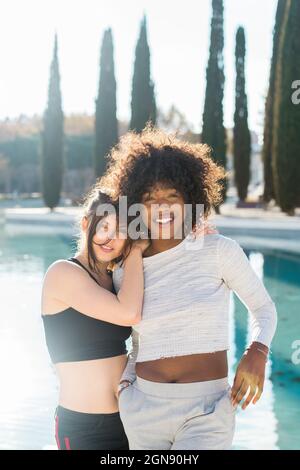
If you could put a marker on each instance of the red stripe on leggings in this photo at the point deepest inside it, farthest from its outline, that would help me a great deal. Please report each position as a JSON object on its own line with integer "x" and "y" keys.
{"x": 67, "y": 442}
{"x": 56, "y": 432}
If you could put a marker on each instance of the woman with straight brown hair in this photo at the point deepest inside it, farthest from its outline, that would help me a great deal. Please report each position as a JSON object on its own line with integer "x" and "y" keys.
{"x": 86, "y": 326}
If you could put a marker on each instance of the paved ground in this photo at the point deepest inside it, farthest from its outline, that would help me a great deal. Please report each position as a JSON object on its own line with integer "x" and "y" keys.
{"x": 228, "y": 210}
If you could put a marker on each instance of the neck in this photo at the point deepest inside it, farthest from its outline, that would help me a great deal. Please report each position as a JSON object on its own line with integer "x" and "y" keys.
{"x": 82, "y": 256}
{"x": 160, "y": 245}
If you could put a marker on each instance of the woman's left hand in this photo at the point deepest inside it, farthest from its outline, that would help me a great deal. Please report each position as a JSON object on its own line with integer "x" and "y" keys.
{"x": 250, "y": 373}
{"x": 205, "y": 228}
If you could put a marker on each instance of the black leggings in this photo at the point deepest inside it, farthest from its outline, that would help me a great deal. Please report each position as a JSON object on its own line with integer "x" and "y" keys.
{"x": 85, "y": 431}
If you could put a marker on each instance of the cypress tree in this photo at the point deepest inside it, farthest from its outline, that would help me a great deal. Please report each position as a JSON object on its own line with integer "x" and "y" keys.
{"x": 106, "y": 123}
{"x": 143, "y": 105}
{"x": 213, "y": 131}
{"x": 269, "y": 108}
{"x": 241, "y": 133}
{"x": 286, "y": 141}
{"x": 52, "y": 138}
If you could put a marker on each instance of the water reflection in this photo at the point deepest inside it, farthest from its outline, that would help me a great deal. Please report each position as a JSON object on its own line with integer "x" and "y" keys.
{"x": 282, "y": 274}
{"x": 247, "y": 435}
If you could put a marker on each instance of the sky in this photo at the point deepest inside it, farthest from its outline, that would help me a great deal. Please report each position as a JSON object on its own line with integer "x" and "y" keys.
{"x": 178, "y": 35}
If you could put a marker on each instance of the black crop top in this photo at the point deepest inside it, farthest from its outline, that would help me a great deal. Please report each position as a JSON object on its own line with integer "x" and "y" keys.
{"x": 74, "y": 336}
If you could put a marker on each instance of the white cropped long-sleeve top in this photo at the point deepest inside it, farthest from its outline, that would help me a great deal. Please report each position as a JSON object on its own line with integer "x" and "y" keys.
{"x": 186, "y": 300}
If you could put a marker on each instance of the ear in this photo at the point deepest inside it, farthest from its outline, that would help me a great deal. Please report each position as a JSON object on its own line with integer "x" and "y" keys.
{"x": 84, "y": 223}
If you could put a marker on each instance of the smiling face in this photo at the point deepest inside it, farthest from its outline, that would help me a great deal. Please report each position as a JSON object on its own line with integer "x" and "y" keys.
{"x": 108, "y": 241}
{"x": 163, "y": 212}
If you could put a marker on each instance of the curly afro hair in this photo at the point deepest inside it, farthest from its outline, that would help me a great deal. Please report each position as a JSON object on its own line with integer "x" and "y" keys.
{"x": 141, "y": 160}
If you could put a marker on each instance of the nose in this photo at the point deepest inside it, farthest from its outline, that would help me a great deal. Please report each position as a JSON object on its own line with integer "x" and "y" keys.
{"x": 162, "y": 202}
{"x": 164, "y": 211}
{"x": 109, "y": 239}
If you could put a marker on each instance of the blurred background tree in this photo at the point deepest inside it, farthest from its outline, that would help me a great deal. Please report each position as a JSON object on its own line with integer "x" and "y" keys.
{"x": 286, "y": 124}
{"x": 269, "y": 194}
{"x": 143, "y": 104}
{"x": 52, "y": 138}
{"x": 241, "y": 133}
{"x": 213, "y": 131}
{"x": 106, "y": 123}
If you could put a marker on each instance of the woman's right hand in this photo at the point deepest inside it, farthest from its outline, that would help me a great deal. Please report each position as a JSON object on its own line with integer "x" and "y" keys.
{"x": 121, "y": 390}
{"x": 205, "y": 228}
{"x": 141, "y": 244}
{"x": 137, "y": 246}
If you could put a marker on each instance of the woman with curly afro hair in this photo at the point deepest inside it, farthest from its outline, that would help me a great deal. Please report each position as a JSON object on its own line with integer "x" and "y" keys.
{"x": 174, "y": 392}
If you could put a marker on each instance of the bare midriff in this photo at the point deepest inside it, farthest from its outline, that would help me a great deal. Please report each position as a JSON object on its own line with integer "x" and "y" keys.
{"x": 185, "y": 369}
{"x": 91, "y": 386}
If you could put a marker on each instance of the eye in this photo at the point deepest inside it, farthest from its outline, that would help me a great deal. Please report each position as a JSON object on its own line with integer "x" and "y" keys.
{"x": 103, "y": 227}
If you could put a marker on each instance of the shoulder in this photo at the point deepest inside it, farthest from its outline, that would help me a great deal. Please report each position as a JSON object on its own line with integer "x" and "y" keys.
{"x": 230, "y": 249}
{"x": 231, "y": 255}
{"x": 226, "y": 247}
{"x": 61, "y": 270}
{"x": 218, "y": 241}
{"x": 227, "y": 242}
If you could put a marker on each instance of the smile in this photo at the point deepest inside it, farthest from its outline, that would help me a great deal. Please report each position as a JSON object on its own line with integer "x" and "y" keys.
{"x": 164, "y": 219}
{"x": 107, "y": 249}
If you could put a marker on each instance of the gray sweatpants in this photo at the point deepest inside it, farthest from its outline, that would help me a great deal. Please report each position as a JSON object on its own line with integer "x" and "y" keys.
{"x": 195, "y": 415}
